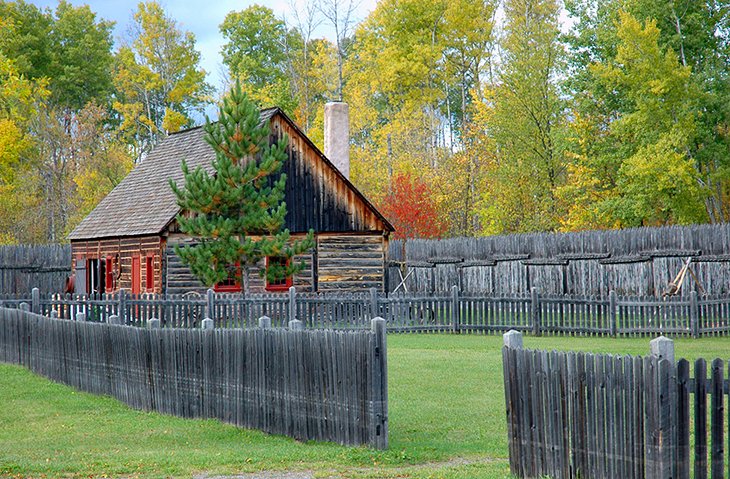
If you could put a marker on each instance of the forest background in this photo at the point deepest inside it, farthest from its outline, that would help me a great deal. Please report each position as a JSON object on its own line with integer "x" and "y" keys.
{"x": 468, "y": 117}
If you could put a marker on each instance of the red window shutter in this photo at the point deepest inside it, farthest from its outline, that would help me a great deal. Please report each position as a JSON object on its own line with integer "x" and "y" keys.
{"x": 109, "y": 270}
{"x": 135, "y": 275}
{"x": 150, "y": 273}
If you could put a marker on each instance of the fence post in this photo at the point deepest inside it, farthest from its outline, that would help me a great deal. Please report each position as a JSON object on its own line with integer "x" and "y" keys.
{"x": 662, "y": 348}
{"x": 296, "y": 325}
{"x": 210, "y": 304}
{"x": 265, "y": 322}
{"x": 535, "y": 311}
{"x": 122, "y": 308}
{"x": 207, "y": 324}
{"x": 153, "y": 323}
{"x": 53, "y": 314}
{"x": 374, "y": 302}
{"x": 380, "y": 386}
{"x": 292, "y": 303}
{"x": 612, "y": 312}
{"x": 694, "y": 314}
{"x": 81, "y": 317}
{"x": 35, "y": 300}
{"x": 512, "y": 339}
{"x": 661, "y": 410}
{"x": 113, "y": 319}
{"x": 24, "y": 307}
{"x": 455, "y": 312}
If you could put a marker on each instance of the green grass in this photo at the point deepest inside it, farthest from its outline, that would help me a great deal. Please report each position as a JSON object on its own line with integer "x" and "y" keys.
{"x": 446, "y": 421}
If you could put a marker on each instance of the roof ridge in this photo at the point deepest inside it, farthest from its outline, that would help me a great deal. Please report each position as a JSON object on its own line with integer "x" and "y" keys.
{"x": 262, "y": 111}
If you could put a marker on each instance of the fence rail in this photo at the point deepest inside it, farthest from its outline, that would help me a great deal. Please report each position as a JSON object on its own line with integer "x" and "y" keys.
{"x": 311, "y": 385}
{"x": 576, "y": 415}
{"x": 454, "y": 313}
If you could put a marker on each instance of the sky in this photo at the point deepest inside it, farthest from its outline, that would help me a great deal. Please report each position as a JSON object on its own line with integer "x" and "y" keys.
{"x": 200, "y": 17}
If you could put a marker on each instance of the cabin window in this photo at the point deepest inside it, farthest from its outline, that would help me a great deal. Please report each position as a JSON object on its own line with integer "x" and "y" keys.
{"x": 109, "y": 276}
{"x": 281, "y": 284}
{"x": 232, "y": 284}
{"x": 150, "y": 273}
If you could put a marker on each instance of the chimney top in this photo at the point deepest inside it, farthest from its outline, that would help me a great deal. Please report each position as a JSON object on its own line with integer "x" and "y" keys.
{"x": 337, "y": 135}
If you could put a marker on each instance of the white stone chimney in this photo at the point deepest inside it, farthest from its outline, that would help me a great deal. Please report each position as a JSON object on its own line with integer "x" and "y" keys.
{"x": 337, "y": 135}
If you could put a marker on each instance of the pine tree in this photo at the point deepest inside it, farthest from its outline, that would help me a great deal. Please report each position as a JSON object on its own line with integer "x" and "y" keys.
{"x": 237, "y": 213}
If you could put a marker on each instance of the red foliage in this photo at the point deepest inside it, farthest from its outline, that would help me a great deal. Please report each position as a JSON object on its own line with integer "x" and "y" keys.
{"x": 411, "y": 210}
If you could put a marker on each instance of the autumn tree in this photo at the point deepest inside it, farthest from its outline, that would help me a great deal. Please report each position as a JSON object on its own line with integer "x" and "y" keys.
{"x": 410, "y": 209}
{"x": 657, "y": 182}
{"x": 237, "y": 213}
{"x": 20, "y": 99}
{"x": 525, "y": 118}
{"x": 64, "y": 56}
{"x": 158, "y": 79}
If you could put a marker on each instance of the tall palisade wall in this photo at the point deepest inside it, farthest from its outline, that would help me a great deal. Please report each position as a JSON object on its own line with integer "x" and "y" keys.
{"x": 24, "y": 267}
{"x": 637, "y": 262}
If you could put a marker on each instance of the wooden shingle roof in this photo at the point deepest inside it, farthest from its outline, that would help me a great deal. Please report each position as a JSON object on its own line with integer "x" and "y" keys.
{"x": 144, "y": 204}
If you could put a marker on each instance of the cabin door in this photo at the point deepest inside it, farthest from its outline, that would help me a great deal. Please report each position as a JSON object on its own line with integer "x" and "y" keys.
{"x": 136, "y": 276}
{"x": 80, "y": 281}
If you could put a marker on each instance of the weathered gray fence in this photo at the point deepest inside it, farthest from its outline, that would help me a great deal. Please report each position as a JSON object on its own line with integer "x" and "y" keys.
{"x": 310, "y": 385}
{"x": 578, "y": 415}
{"x": 453, "y": 313}
{"x": 631, "y": 262}
{"x": 25, "y": 267}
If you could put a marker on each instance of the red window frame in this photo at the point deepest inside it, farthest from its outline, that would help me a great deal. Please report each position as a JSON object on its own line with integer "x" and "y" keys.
{"x": 285, "y": 284}
{"x": 232, "y": 285}
{"x": 150, "y": 273}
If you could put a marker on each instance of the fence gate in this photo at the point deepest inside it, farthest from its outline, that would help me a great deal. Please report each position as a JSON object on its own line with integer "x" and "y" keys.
{"x": 582, "y": 415}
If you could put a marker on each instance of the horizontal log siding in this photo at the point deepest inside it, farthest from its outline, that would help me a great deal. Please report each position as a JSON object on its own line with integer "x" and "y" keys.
{"x": 126, "y": 248}
{"x": 350, "y": 262}
{"x": 179, "y": 279}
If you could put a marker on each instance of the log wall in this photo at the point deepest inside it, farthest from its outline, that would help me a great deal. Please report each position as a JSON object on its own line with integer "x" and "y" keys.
{"x": 350, "y": 262}
{"x": 179, "y": 280}
{"x": 125, "y": 248}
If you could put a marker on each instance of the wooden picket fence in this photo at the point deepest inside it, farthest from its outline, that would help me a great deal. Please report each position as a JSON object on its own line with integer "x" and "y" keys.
{"x": 453, "y": 313}
{"x": 582, "y": 415}
{"x": 311, "y": 385}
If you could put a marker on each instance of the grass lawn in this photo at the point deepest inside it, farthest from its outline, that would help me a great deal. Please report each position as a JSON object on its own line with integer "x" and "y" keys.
{"x": 446, "y": 421}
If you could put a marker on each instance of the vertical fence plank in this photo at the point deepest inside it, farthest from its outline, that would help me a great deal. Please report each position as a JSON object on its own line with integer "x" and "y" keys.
{"x": 683, "y": 425}
{"x": 236, "y": 376}
{"x": 700, "y": 419}
{"x": 716, "y": 419}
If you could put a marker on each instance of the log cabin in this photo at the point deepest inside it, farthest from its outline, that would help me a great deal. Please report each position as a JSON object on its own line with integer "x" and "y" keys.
{"x": 128, "y": 240}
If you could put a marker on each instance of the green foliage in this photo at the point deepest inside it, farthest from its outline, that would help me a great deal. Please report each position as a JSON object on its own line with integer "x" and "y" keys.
{"x": 158, "y": 80}
{"x": 237, "y": 213}
{"x": 70, "y": 48}
{"x": 525, "y": 118}
{"x": 258, "y": 53}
